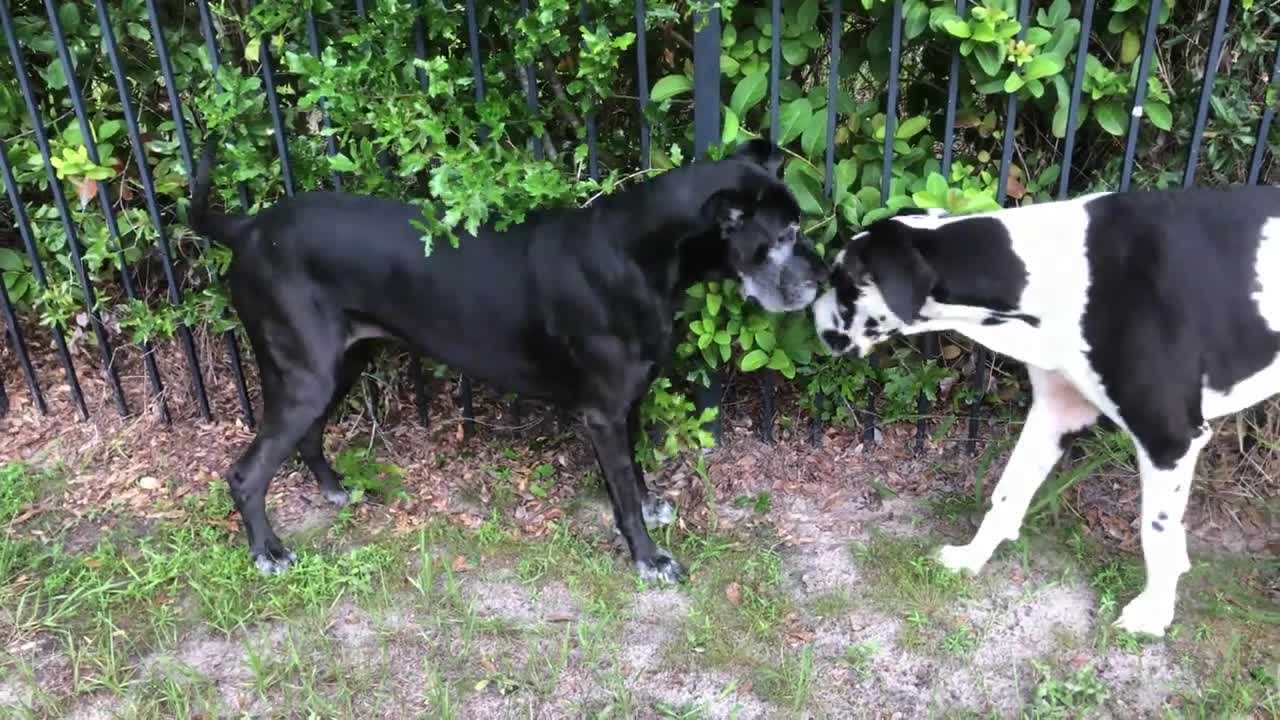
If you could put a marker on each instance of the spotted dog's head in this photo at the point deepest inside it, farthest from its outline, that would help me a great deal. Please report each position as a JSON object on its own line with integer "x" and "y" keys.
{"x": 879, "y": 282}
{"x": 775, "y": 264}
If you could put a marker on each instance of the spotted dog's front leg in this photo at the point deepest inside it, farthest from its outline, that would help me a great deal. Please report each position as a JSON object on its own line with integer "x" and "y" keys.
{"x": 1057, "y": 409}
{"x": 1165, "y": 491}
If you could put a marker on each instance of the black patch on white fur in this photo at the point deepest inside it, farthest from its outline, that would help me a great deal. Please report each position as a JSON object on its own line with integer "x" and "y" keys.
{"x": 836, "y": 341}
{"x": 1000, "y": 318}
{"x": 975, "y": 262}
{"x": 1158, "y": 527}
{"x": 1169, "y": 303}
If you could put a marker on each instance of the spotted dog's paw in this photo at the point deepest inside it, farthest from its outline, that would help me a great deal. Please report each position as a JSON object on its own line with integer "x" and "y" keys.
{"x": 1146, "y": 614}
{"x": 274, "y": 563}
{"x": 657, "y": 512}
{"x": 661, "y": 568}
{"x": 961, "y": 558}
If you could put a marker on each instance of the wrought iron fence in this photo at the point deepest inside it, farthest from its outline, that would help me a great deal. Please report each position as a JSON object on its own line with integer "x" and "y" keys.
{"x": 707, "y": 105}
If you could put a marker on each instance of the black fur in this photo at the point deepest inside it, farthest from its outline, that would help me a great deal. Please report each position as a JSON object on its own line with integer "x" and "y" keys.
{"x": 574, "y": 306}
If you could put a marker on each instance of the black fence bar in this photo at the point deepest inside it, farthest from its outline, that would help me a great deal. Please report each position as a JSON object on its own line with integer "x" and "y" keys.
{"x": 1140, "y": 94}
{"x": 477, "y": 70}
{"x": 273, "y": 108}
{"x": 103, "y": 195}
{"x": 20, "y": 349}
{"x": 1073, "y": 106}
{"x": 184, "y": 145}
{"x": 1206, "y": 92}
{"x": 706, "y": 132}
{"x": 531, "y": 91}
{"x": 833, "y": 95}
{"x": 1264, "y": 127}
{"x": 642, "y": 82}
{"x": 768, "y": 378}
{"x": 982, "y": 358}
{"x": 930, "y": 347}
{"x": 60, "y": 200}
{"x": 153, "y": 209}
{"x": 330, "y": 141}
{"x": 211, "y": 47}
{"x": 421, "y": 394}
{"x": 872, "y": 417}
{"x": 37, "y": 271}
{"x": 593, "y": 127}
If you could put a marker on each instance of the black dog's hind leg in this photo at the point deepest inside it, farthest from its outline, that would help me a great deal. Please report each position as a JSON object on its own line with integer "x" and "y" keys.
{"x": 656, "y": 510}
{"x": 289, "y": 411}
{"x": 615, "y": 454}
{"x": 311, "y": 447}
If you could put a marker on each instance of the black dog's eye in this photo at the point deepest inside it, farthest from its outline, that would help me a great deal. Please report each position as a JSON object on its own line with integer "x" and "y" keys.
{"x": 762, "y": 252}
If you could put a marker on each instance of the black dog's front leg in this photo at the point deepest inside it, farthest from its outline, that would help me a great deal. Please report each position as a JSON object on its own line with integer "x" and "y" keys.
{"x": 614, "y": 452}
{"x": 656, "y": 510}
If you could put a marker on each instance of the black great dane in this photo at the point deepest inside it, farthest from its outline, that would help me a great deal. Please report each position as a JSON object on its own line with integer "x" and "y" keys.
{"x": 573, "y": 306}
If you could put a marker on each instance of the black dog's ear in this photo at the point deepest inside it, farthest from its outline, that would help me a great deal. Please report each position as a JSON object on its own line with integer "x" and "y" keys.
{"x": 727, "y": 209}
{"x": 903, "y": 275}
{"x": 763, "y": 153}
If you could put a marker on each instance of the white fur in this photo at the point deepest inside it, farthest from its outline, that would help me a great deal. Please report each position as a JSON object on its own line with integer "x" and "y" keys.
{"x": 1068, "y": 395}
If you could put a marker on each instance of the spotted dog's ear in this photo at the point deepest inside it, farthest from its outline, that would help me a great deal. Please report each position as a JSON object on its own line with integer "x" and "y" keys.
{"x": 903, "y": 275}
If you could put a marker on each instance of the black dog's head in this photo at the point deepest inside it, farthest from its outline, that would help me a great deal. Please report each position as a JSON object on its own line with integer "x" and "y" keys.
{"x": 879, "y": 283}
{"x": 759, "y": 221}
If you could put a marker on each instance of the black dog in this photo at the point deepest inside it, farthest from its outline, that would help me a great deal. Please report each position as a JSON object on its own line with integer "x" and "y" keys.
{"x": 573, "y": 306}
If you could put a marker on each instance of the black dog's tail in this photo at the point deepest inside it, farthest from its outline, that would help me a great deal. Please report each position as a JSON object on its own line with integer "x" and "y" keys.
{"x": 220, "y": 227}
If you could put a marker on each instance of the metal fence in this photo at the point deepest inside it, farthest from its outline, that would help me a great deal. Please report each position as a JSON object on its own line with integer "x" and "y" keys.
{"x": 706, "y": 120}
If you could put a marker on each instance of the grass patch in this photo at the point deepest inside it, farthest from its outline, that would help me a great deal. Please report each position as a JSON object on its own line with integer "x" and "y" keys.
{"x": 738, "y": 604}
{"x": 1077, "y": 695}
{"x": 788, "y": 680}
{"x": 903, "y": 580}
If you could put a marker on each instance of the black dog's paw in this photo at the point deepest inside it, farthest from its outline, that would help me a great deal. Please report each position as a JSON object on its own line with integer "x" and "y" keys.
{"x": 338, "y": 497}
{"x": 662, "y": 568}
{"x": 274, "y": 563}
{"x": 657, "y": 512}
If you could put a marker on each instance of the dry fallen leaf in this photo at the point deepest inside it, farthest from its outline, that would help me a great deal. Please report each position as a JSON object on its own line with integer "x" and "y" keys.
{"x": 146, "y": 482}
{"x": 733, "y": 593}
{"x": 460, "y": 564}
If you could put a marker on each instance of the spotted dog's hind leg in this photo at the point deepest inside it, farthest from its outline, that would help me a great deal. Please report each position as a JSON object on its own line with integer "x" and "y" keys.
{"x": 1057, "y": 410}
{"x": 1165, "y": 491}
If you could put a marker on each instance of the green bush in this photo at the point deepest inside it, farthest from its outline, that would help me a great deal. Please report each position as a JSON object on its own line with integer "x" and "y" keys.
{"x": 472, "y": 160}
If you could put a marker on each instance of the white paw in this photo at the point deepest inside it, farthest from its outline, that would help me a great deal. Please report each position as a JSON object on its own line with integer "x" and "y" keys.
{"x": 1146, "y": 614}
{"x": 337, "y": 497}
{"x": 657, "y": 512}
{"x": 661, "y": 568}
{"x": 269, "y": 565}
{"x": 962, "y": 558}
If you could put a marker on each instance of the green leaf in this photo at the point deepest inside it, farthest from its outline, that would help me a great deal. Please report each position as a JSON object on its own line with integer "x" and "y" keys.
{"x": 342, "y": 163}
{"x": 714, "y": 302}
{"x": 1123, "y": 5}
{"x": 766, "y": 340}
{"x": 1042, "y": 66}
{"x": 1060, "y": 120}
{"x": 1059, "y": 11}
{"x": 669, "y": 87}
{"x": 956, "y": 28}
{"x": 936, "y": 185}
{"x": 1160, "y": 115}
{"x": 807, "y": 14}
{"x": 750, "y": 90}
{"x": 917, "y": 19}
{"x": 1111, "y": 116}
{"x": 1038, "y": 36}
{"x": 10, "y": 261}
{"x": 793, "y": 119}
{"x": 911, "y": 127}
{"x": 794, "y": 51}
{"x": 754, "y": 360}
{"x": 731, "y": 125}
{"x": 1130, "y": 46}
{"x": 1013, "y": 83}
{"x": 69, "y": 14}
{"x": 814, "y": 139}
{"x": 108, "y": 129}
{"x": 989, "y": 57}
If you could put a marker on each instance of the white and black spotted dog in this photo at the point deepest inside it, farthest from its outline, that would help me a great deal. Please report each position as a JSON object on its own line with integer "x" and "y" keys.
{"x": 1157, "y": 310}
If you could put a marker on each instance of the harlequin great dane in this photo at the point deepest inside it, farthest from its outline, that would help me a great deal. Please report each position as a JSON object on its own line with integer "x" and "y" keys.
{"x": 1157, "y": 310}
